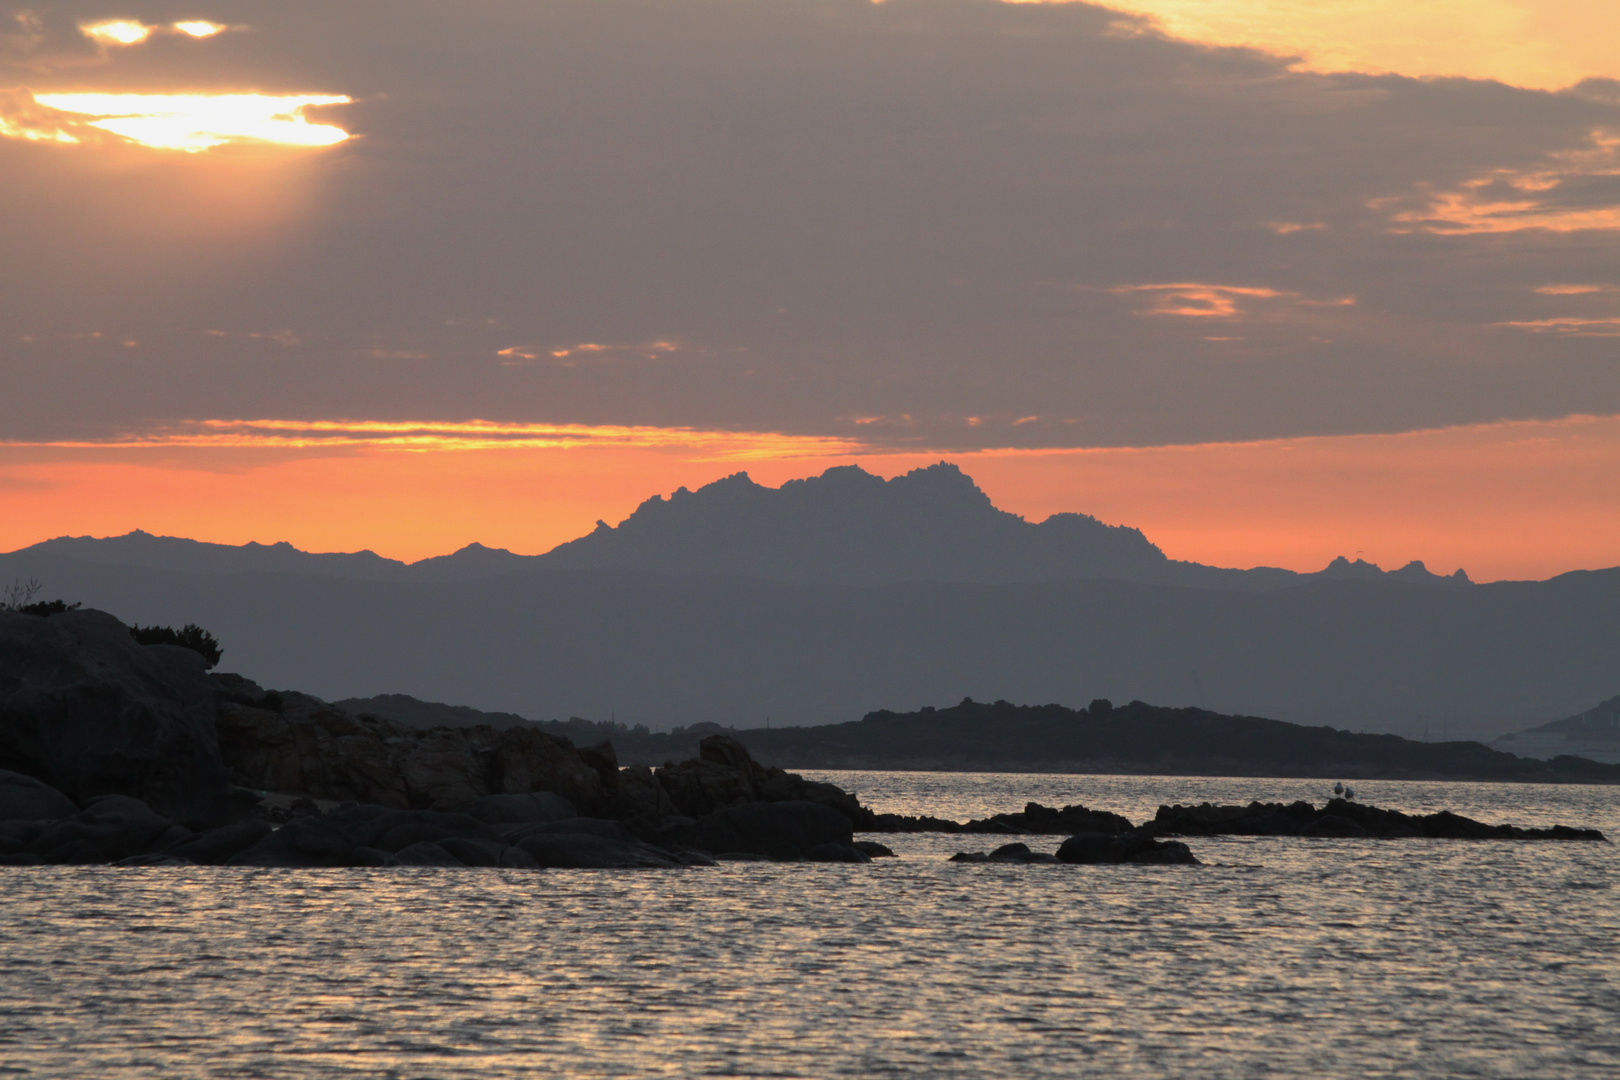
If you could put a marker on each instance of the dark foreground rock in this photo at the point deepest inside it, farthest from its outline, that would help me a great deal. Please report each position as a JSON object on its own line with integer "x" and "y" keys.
{"x": 1340, "y": 819}
{"x": 23, "y": 798}
{"x": 372, "y": 835}
{"x": 89, "y": 711}
{"x": 110, "y": 828}
{"x": 289, "y": 742}
{"x": 1095, "y": 848}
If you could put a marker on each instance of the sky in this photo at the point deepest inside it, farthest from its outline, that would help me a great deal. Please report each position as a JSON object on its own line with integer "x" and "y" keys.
{"x": 1273, "y": 281}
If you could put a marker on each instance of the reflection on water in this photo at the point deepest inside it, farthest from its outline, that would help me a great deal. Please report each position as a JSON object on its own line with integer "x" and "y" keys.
{"x": 1281, "y": 957}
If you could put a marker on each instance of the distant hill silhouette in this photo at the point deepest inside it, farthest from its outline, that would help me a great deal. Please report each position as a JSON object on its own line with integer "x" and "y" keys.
{"x": 844, "y": 527}
{"x": 1591, "y": 733}
{"x": 667, "y": 649}
{"x": 413, "y": 712}
{"x": 1135, "y": 738}
{"x": 142, "y": 549}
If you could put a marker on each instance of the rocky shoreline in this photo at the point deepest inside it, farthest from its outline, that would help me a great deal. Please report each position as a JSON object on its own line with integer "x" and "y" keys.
{"x": 118, "y": 753}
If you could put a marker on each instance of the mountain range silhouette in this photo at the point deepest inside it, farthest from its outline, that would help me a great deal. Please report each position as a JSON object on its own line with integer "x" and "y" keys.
{"x": 834, "y": 596}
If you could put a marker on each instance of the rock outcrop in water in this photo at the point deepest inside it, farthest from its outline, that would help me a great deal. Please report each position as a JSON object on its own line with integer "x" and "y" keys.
{"x": 1034, "y": 820}
{"x": 127, "y": 754}
{"x": 1340, "y": 819}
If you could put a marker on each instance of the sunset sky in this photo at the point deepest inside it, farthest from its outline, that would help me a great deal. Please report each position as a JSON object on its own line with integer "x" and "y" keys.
{"x": 1272, "y": 280}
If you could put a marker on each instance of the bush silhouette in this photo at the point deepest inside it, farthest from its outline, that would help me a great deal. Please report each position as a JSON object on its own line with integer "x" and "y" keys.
{"x": 46, "y": 607}
{"x": 190, "y": 636}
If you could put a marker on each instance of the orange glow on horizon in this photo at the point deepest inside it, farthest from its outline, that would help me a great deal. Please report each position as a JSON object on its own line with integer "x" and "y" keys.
{"x": 1510, "y": 500}
{"x": 425, "y": 436}
{"x": 195, "y": 122}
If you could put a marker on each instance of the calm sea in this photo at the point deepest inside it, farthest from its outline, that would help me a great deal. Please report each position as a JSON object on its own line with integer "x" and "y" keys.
{"x": 1279, "y": 958}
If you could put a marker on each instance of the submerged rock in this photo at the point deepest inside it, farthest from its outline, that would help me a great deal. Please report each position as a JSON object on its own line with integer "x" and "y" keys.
{"x": 1034, "y": 820}
{"x": 1006, "y": 853}
{"x": 1094, "y": 848}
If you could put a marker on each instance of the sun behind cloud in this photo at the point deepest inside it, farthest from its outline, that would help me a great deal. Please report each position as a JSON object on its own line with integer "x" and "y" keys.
{"x": 195, "y": 122}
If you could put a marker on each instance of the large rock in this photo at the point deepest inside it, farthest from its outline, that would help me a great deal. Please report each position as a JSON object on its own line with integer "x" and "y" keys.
{"x": 89, "y": 711}
{"x": 777, "y": 829}
{"x": 305, "y": 746}
{"x": 22, "y": 798}
{"x": 110, "y": 828}
{"x": 1044, "y": 820}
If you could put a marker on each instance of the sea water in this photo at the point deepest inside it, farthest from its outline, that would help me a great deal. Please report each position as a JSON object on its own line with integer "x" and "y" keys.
{"x": 1277, "y": 958}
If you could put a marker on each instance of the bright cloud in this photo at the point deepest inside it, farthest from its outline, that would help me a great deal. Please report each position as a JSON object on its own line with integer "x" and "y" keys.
{"x": 118, "y": 32}
{"x": 428, "y": 435}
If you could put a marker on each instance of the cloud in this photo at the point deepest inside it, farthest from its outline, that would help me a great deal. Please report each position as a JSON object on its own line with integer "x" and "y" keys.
{"x": 834, "y": 209}
{"x": 1193, "y": 300}
{"x": 1578, "y": 189}
{"x": 1568, "y": 325}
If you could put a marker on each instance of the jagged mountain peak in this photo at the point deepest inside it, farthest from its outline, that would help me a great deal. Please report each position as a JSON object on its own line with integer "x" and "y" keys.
{"x": 850, "y": 526}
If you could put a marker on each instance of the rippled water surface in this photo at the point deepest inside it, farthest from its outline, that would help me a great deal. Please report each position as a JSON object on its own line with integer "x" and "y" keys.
{"x": 1279, "y": 958}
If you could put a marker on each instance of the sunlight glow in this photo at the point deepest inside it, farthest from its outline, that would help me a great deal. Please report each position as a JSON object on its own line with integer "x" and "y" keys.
{"x": 198, "y": 29}
{"x": 12, "y": 130}
{"x": 1547, "y": 44}
{"x": 118, "y": 32}
{"x": 193, "y": 122}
